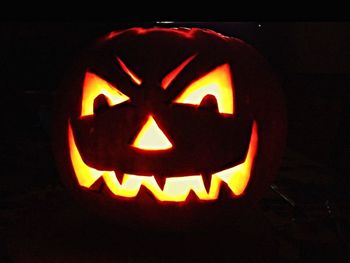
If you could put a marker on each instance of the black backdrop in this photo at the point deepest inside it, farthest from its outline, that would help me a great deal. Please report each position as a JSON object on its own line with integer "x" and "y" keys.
{"x": 312, "y": 59}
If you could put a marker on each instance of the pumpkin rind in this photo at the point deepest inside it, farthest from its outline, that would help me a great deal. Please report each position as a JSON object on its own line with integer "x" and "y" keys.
{"x": 204, "y": 142}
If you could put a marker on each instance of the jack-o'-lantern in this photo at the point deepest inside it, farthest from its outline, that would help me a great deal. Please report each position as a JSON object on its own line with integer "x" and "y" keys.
{"x": 156, "y": 124}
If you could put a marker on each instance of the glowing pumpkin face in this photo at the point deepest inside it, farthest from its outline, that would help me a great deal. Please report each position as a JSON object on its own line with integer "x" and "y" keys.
{"x": 181, "y": 113}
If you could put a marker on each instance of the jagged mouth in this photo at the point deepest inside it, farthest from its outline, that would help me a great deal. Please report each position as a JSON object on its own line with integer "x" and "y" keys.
{"x": 175, "y": 189}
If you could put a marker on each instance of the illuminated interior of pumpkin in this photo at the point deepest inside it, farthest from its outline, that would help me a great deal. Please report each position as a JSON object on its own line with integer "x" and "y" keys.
{"x": 217, "y": 83}
{"x": 176, "y": 189}
{"x": 151, "y": 137}
{"x": 94, "y": 86}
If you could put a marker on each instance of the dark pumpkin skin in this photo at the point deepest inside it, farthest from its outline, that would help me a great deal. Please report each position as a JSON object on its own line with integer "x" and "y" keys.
{"x": 205, "y": 141}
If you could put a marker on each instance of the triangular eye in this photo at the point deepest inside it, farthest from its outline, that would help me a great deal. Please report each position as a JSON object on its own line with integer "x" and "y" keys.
{"x": 217, "y": 83}
{"x": 93, "y": 87}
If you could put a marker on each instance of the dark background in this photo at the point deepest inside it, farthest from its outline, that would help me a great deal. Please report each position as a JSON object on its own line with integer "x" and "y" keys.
{"x": 313, "y": 61}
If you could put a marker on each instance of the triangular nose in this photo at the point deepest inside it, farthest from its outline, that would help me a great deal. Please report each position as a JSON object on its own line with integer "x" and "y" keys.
{"x": 151, "y": 137}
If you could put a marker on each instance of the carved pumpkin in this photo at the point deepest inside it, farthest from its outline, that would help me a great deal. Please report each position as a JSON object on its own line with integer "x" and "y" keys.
{"x": 155, "y": 124}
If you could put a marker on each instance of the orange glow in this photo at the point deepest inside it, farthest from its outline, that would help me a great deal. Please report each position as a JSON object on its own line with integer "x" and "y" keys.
{"x": 172, "y": 75}
{"x": 176, "y": 189}
{"x": 238, "y": 176}
{"x": 218, "y": 83}
{"x": 151, "y": 137}
{"x": 86, "y": 175}
{"x": 132, "y": 75}
{"x": 94, "y": 86}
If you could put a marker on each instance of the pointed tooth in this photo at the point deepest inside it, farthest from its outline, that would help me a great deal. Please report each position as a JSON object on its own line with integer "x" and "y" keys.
{"x": 119, "y": 176}
{"x": 225, "y": 191}
{"x": 97, "y": 185}
{"x": 160, "y": 181}
{"x": 206, "y": 177}
{"x": 192, "y": 196}
{"x": 145, "y": 195}
{"x": 105, "y": 190}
